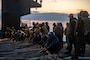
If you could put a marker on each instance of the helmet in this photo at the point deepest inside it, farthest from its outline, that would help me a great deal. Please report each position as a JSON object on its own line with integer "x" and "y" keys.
{"x": 51, "y": 34}
{"x": 84, "y": 13}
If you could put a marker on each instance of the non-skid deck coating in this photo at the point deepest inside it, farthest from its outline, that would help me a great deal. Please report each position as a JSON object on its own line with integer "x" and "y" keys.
{"x": 27, "y": 51}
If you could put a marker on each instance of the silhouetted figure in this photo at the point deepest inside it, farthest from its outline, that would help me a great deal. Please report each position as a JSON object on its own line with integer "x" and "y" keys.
{"x": 67, "y": 33}
{"x": 37, "y": 36}
{"x": 26, "y": 30}
{"x": 54, "y": 25}
{"x": 72, "y": 39}
{"x": 53, "y": 44}
{"x": 7, "y": 32}
{"x": 80, "y": 45}
{"x": 61, "y": 34}
{"x": 44, "y": 29}
{"x": 86, "y": 19}
{"x": 22, "y": 26}
{"x": 18, "y": 35}
{"x": 34, "y": 25}
{"x": 71, "y": 17}
{"x": 58, "y": 33}
{"x": 81, "y": 34}
{"x": 47, "y": 26}
{"x": 13, "y": 31}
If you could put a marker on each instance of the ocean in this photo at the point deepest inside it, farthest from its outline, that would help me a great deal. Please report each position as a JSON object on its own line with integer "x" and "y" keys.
{"x": 46, "y": 17}
{"x": 50, "y": 17}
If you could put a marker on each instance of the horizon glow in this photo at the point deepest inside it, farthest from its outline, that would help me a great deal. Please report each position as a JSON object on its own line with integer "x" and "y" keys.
{"x": 64, "y": 6}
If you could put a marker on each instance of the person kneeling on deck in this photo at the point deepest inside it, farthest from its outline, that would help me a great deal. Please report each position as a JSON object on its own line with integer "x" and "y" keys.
{"x": 52, "y": 44}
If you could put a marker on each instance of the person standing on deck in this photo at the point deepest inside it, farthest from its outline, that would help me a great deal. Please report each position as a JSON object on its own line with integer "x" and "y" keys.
{"x": 72, "y": 39}
{"x": 82, "y": 32}
{"x": 54, "y": 25}
{"x": 62, "y": 29}
{"x": 67, "y": 33}
{"x": 46, "y": 23}
{"x": 58, "y": 33}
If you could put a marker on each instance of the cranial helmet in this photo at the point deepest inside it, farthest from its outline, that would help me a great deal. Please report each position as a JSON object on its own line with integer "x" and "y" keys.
{"x": 51, "y": 34}
{"x": 84, "y": 13}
